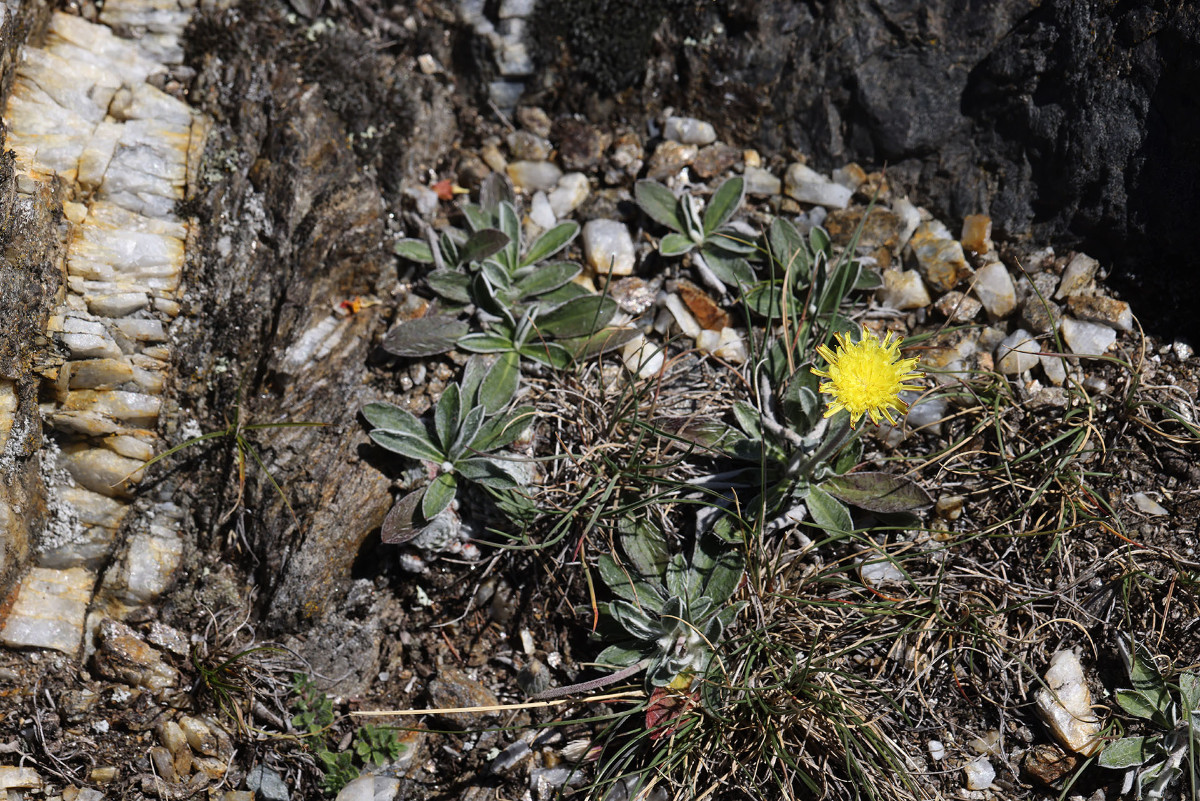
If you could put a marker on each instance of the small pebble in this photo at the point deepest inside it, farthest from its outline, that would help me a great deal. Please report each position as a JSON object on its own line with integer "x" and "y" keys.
{"x": 980, "y": 773}
{"x": 689, "y": 131}
{"x": 608, "y": 247}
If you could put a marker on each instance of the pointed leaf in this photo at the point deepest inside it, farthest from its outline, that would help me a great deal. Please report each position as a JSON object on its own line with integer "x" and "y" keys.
{"x": 451, "y": 285}
{"x": 578, "y": 317}
{"x": 627, "y": 584}
{"x": 1189, "y": 691}
{"x": 748, "y": 419}
{"x": 473, "y": 374}
{"x": 551, "y": 242}
{"x": 801, "y": 399}
{"x": 645, "y": 546}
{"x": 828, "y": 512}
{"x": 447, "y": 416}
{"x": 878, "y": 492}
{"x": 659, "y": 204}
{"x": 724, "y": 203}
{"x": 392, "y": 417}
{"x": 500, "y": 383}
{"x": 819, "y": 239}
{"x": 399, "y": 526}
{"x": 485, "y": 342}
{"x": 1138, "y": 704}
{"x": 547, "y": 278}
{"x": 677, "y": 576}
{"x": 550, "y": 354}
{"x": 868, "y": 279}
{"x": 633, "y": 620}
{"x": 511, "y": 225}
{"x": 502, "y": 431}
{"x": 487, "y": 472}
{"x": 478, "y": 219}
{"x": 602, "y": 341}
{"x": 414, "y": 250}
{"x": 414, "y": 447}
{"x": 556, "y": 297}
{"x": 618, "y": 656}
{"x": 790, "y": 250}
{"x": 732, "y": 241}
{"x": 471, "y": 423}
{"x": 482, "y": 244}
{"x": 1128, "y": 752}
{"x": 438, "y": 495}
{"x": 675, "y": 244}
{"x": 733, "y": 271}
{"x": 425, "y": 336}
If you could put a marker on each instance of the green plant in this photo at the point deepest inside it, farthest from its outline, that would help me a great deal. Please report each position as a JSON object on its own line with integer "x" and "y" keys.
{"x": 463, "y": 440}
{"x": 722, "y": 248}
{"x": 671, "y": 611}
{"x": 519, "y": 301}
{"x": 1153, "y": 762}
{"x": 314, "y": 718}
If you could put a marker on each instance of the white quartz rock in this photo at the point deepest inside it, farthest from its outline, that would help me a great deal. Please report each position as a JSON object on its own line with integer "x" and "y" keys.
{"x": 809, "y": 186}
{"x": 76, "y": 39}
{"x": 1077, "y": 276}
{"x": 608, "y": 247}
{"x": 903, "y": 290}
{"x": 530, "y": 176}
{"x": 1087, "y": 339}
{"x": 49, "y": 610}
{"x": 762, "y": 182}
{"x": 642, "y": 357}
{"x": 120, "y": 304}
{"x": 1065, "y": 703}
{"x": 102, "y": 471}
{"x": 84, "y": 88}
{"x": 994, "y": 288}
{"x": 689, "y": 131}
{"x": 541, "y": 212}
{"x": 90, "y": 346}
{"x": 147, "y": 569}
{"x": 98, "y": 373}
{"x": 1017, "y": 353}
{"x": 569, "y": 195}
{"x": 980, "y": 773}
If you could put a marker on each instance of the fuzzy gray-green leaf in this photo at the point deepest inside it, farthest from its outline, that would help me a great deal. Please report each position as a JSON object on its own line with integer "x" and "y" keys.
{"x": 447, "y": 416}
{"x": 425, "y": 336}
{"x": 467, "y": 431}
{"x": 551, "y": 242}
{"x": 790, "y": 250}
{"x": 1140, "y": 704}
{"x": 451, "y": 285}
{"x": 438, "y": 495}
{"x": 500, "y": 383}
{"x": 414, "y": 250}
{"x": 482, "y": 244}
{"x": 674, "y": 244}
{"x": 501, "y": 431}
{"x": 1128, "y": 752}
{"x": 828, "y": 512}
{"x": 724, "y": 203}
{"x": 414, "y": 447}
{"x": 547, "y": 278}
{"x": 390, "y": 416}
{"x": 618, "y": 656}
{"x": 627, "y": 584}
{"x": 1189, "y": 691}
{"x": 644, "y": 545}
{"x": 633, "y": 620}
{"x": 878, "y": 492}
{"x": 659, "y": 203}
{"x": 578, "y": 317}
{"x": 487, "y": 472}
{"x": 485, "y": 342}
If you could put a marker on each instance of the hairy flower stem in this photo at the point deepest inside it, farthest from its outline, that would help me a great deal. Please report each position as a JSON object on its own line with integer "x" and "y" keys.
{"x": 594, "y": 684}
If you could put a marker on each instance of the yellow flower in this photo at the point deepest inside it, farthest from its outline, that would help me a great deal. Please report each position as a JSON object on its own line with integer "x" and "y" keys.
{"x": 866, "y": 377}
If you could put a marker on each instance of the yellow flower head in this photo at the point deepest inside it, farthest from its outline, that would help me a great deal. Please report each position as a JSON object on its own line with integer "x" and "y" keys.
{"x": 866, "y": 377}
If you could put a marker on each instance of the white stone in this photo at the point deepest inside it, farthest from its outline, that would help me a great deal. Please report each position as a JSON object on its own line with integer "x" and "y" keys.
{"x": 731, "y": 347}
{"x": 142, "y": 329}
{"x": 910, "y": 215}
{"x": 642, "y": 357}
{"x": 147, "y": 102}
{"x": 809, "y": 186}
{"x": 49, "y": 610}
{"x": 117, "y": 305}
{"x": 146, "y": 570}
{"x": 1086, "y": 339}
{"x": 683, "y": 318}
{"x": 93, "y": 424}
{"x": 903, "y": 290}
{"x": 1017, "y": 353}
{"x": 130, "y": 447}
{"x": 937, "y": 751}
{"x": 506, "y": 94}
{"x": 513, "y": 59}
{"x": 762, "y": 182}
{"x": 569, "y": 195}
{"x": 876, "y": 570}
{"x": 1148, "y": 505}
{"x": 135, "y": 407}
{"x": 689, "y": 131}
{"x": 1077, "y": 276}
{"x": 370, "y": 788}
{"x": 516, "y": 8}
{"x": 90, "y": 346}
{"x": 1065, "y": 703}
{"x": 101, "y": 470}
{"x": 530, "y": 176}
{"x": 93, "y": 509}
{"x": 926, "y": 414}
{"x": 994, "y": 288}
{"x": 14, "y": 778}
{"x": 98, "y": 373}
{"x": 980, "y": 773}
{"x": 608, "y": 247}
{"x": 1053, "y": 367}
{"x": 540, "y": 211}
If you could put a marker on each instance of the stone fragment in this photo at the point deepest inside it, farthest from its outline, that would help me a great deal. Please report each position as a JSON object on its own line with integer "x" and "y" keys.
{"x": 172, "y": 639}
{"x": 146, "y": 568}
{"x": 1099, "y": 309}
{"x": 940, "y": 258}
{"x": 633, "y": 294}
{"x": 1147, "y": 505}
{"x": 199, "y": 736}
{"x": 454, "y": 689}
{"x": 102, "y": 470}
{"x": 123, "y": 656}
{"x": 877, "y": 570}
{"x": 1053, "y": 367}
{"x": 1065, "y": 704}
{"x": 540, "y": 211}
{"x": 130, "y": 447}
{"x": 533, "y": 118}
{"x": 1040, "y": 314}
{"x": 980, "y": 773}
{"x": 49, "y": 610}
{"x": 1017, "y": 353}
{"x": 608, "y": 247}
{"x": 883, "y": 228}
{"x": 715, "y": 159}
{"x": 689, "y": 131}
{"x": 370, "y": 788}
{"x": 511, "y": 757}
{"x": 530, "y": 176}
{"x": 1087, "y": 339}
{"x": 14, "y": 778}
{"x": 513, "y": 61}
{"x": 267, "y": 784}
{"x": 957, "y": 307}
{"x": 489, "y": 151}
{"x": 937, "y": 751}
{"x": 526, "y": 146}
{"x": 172, "y": 738}
{"x": 516, "y": 8}
{"x": 911, "y": 216}
{"x": 706, "y": 311}
{"x": 141, "y": 329}
{"x": 164, "y": 764}
{"x": 581, "y": 145}
{"x": 90, "y": 346}
{"x": 977, "y": 234}
{"x": 950, "y": 507}
{"x": 1047, "y": 764}
{"x": 809, "y": 186}
{"x": 627, "y": 154}
{"x": 683, "y": 318}
{"x": 117, "y": 305}
{"x": 669, "y": 158}
{"x": 994, "y": 287}
{"x": 851, "y": 176}
{"x": 731, "y": 347}
{"x": 1077, "y": 276}
{"x": 569, "y": 195}
{"x": 903, "y": 290}
{"x": 762, "y": 182}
